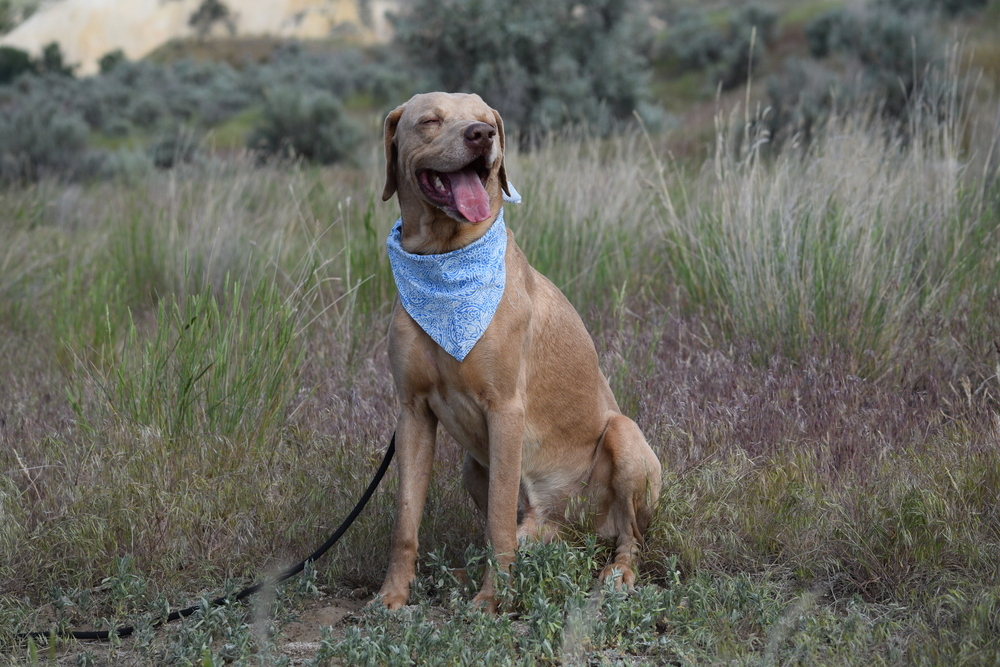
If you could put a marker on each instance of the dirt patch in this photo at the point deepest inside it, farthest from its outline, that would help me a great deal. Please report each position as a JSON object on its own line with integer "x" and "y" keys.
{"x": 309, "y": 627}
{"x": 300, "y": 640}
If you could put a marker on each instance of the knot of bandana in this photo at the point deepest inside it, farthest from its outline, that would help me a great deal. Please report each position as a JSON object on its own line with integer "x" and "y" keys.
{"x": 452, "y": 296}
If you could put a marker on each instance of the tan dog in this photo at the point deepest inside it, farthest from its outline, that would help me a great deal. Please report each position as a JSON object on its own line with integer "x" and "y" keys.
{"x": 529, "y": 404}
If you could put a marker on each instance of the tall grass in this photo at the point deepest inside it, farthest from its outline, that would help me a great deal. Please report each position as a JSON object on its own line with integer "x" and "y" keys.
{"x": 876, "y": 239}
{"x": 193, "y": 375}
{"x": 208, "y": 371}
{"x": 585, "y": 220}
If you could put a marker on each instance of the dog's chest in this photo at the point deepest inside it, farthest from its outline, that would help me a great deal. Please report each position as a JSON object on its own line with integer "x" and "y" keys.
{"x": 463, "y": 416}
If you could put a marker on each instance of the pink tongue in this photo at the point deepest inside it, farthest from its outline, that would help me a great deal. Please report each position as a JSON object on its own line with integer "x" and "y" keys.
{"x": 471, "y": 198}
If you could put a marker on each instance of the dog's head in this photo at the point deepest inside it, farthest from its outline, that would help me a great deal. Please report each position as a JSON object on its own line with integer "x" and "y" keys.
{"x": 444, "y": 154}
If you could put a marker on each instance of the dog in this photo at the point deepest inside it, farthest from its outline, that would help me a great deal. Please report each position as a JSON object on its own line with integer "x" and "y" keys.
{"x": 541, "y": 429}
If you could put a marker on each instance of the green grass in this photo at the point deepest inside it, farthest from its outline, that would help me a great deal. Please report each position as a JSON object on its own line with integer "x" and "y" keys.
{"x": 678, "y": 93}
{"x": 117, "y": 143}
{"x": 194, "y": 390}
{"x": 232, "y": 134}
{"x": 803, "y": 12}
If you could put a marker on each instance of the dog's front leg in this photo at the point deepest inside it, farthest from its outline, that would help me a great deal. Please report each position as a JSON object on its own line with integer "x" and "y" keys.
{"x": 506, "y": 434}
{"x": 415, "y": 435}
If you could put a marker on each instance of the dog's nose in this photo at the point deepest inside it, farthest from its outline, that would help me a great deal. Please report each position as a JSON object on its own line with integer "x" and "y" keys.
{"x": 479, "y": 135}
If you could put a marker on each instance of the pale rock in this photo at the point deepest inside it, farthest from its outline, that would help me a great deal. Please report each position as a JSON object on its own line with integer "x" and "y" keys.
{"x": 88, "y": 29}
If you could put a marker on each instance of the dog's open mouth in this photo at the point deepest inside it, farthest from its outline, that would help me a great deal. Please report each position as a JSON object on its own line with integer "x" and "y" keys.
{"x": 463, "y": 191}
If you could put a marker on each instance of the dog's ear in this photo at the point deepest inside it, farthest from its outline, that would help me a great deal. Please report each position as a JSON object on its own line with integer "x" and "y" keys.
{"x": 391, "y": 152}
{"x": 503, "y": 152}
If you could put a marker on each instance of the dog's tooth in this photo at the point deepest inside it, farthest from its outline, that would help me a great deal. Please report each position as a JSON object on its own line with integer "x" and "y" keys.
{"x": 437, "y": 183}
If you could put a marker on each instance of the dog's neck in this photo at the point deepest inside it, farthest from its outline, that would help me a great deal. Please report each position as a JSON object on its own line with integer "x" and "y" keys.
{"x": 452, "y": 296}
{"x": 427, "y": 230}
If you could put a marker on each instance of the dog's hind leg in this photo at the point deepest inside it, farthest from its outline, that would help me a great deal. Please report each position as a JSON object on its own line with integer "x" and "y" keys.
{"x": 530, "y": 526}
{"x": 630, "y": 472}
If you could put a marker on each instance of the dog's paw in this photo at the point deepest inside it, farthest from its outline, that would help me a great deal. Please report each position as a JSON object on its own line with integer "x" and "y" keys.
{"x": 391, "y": 601}
{"x": 622, "y": 576}
{"x": 486, "y": 602}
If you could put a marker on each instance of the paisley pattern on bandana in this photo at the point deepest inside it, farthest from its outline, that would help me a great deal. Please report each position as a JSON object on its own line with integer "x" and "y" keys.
{"x": 452, "y": 296}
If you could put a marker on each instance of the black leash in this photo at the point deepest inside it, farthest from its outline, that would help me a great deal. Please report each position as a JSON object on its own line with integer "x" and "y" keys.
{"x": 127, "y": 630}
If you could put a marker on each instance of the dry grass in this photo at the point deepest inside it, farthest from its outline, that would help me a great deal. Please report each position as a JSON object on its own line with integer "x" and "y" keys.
{"x": 193, "y": 375}
{"x": 874, "y": 239}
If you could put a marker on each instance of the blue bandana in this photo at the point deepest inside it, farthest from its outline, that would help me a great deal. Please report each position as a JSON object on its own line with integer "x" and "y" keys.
{"x": 452, "y": 296}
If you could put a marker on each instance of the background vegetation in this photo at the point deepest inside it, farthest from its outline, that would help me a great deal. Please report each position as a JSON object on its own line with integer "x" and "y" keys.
{"x": 803, "y": 319}
{"x": 544, "y": 66}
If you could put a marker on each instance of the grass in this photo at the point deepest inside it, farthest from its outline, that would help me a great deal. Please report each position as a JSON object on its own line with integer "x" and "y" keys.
{"x": 802, "y": 249}
{"x": 803, "y": 12}
{"x": 232, "y": 134}
{"x": 194, "y": 389}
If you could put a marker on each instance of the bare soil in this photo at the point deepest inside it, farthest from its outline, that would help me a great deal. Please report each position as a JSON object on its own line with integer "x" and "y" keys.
{"x": 301, "y": 639}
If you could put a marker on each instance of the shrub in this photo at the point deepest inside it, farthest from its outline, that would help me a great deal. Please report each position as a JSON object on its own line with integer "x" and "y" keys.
{"x": 6, "y": 16}
{"x": 842, "y": 30}
{"x": 829, "y": 32}
{"x": 880, "y": 37}
{"x": 209, "y": 13}
{"x": 212, "y": 92}
{"x": 117, "y": 127}
{"x": 802, "y": 95}
{"x": 381, "y": 74}
{"x": 886, "y": 50}
{"x": 695, "y": 43}
{"x": 741, "y": 41}
{"x": 306, "y": 123}
{"x": 14, "y": 12}
{"x": 146, "y": 110}
{"x": 542, "y": 65}
{"x": 38, "y": 138}
{"x": 158, "y": 98}
{"x": 103, "y": 101}
{"x": 950, "y": 7}
{"x": 175, "y": 145}
{"x": 764, "y": 19}
{"x": 13, "y": 63}
{"x": 894, "y": 50}
{"x": 137, "y": 74}
{"x": 53, "y": 61}
{"x": 110, "y": 60}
